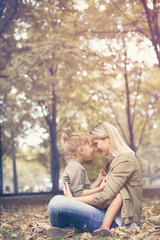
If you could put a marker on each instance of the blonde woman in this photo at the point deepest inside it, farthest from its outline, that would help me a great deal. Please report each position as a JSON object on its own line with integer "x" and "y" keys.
{"x": 87, "y": 212}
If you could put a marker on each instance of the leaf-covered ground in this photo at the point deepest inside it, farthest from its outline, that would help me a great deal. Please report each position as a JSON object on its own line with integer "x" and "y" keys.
{"x": 19, "y": 218}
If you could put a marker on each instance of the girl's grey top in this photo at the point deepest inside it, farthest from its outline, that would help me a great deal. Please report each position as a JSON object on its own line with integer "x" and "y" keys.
{"x": 75, "y": 175}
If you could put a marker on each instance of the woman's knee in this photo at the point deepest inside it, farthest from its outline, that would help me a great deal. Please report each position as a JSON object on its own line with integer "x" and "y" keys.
{"x": 56, "y": 206}
{"x": 55, "y": 203}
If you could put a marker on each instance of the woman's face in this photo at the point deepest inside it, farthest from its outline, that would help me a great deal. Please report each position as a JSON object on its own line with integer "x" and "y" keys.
{"x": 102, "y": 145}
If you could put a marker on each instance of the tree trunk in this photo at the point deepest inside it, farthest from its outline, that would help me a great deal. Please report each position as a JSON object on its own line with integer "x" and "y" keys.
{"x": 149, "y": 173}
{"x": 7, "y": 12}
{"x": 128, "y": 107}
{"x": 50, "y": 118}
{"x": 1, "y": 165}
{"x": 55, "y": 165}
{"x": 130, "y": 127}
{"x": 15, "y": 182}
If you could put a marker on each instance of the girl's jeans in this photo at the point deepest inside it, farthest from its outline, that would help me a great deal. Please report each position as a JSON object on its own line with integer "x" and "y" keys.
{"x": 65, "y": 212}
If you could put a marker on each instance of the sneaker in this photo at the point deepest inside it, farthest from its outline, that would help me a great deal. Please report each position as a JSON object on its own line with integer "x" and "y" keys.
{"x": 102, "y": 232}
{"x": 60, "y": 232}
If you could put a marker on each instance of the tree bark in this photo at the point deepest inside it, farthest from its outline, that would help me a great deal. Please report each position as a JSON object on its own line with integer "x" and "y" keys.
{"x": 55, "y": 165}
{"x": 15, "y": 181}
{"x": 128, "y": 107}
{"x": 1, "y": 164}
{"x": 130, "y": 127}
{"x": 7, "y": 12}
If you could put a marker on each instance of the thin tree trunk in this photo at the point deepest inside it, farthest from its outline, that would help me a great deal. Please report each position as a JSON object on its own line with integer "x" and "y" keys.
{"x": 7, "y": 12}
{"x": 55, "y": 165}
{"x": 130, "y": 127}
{"x": 1, "y": 165}
{"x": 50, "y": 118}
{"x": 149, "y": 173}
{"x": 128, "y": 111}
{"x": 15, "y": 182}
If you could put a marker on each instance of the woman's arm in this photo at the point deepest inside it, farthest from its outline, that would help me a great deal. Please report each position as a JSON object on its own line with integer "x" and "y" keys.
{"x": 121, "y": 170}
{"x": 86, "y": 199}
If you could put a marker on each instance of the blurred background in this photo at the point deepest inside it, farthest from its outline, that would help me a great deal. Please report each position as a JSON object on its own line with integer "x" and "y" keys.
{"x": 66, "y": 65}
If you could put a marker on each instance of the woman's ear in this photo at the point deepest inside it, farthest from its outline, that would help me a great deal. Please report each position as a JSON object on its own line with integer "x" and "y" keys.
{"x": 108, "y": 138}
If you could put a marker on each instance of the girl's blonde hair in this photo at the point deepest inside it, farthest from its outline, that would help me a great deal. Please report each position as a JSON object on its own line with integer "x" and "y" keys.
{"x": 117, "y": 144}
{"x": 72, "y": 143}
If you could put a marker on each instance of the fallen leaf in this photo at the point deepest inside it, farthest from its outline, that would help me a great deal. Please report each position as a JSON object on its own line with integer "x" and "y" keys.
{"x": 85, "y": 236}
{"x": 24, "y": 227}
{"x": 136, "y": 231}
{"x": 1, "y": 237}
{"x": 154, "y": 219}
{"x": 155, "y": 210}
{"x": 14, "y": 235}
{"x": 140, "y": 236}
{"x": 120, "y": 233}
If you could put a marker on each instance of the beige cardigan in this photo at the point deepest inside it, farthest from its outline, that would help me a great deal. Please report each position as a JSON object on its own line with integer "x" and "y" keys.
{"x": 125, "y": 177}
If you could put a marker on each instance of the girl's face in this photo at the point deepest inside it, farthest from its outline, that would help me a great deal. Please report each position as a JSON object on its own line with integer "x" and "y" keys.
{"x": 102, "y": 145}
{"x": 88, "y": 150}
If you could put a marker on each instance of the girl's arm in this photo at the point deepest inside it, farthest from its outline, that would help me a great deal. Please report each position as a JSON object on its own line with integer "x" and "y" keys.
{"x": 87, "y": 192}
{"x": 102, "y": 174}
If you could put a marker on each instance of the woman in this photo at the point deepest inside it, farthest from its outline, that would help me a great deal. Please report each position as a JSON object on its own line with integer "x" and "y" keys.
{"x": 124, "y": 177}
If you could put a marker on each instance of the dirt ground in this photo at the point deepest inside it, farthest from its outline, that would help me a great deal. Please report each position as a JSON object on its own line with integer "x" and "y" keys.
{"x": 19, "y": 218}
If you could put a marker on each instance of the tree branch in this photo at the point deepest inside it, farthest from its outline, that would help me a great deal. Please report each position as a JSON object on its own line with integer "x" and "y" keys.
{"x": 135, "y": 102}
{"x": 133, "y": 23}
{"x": 117, "y": 121}
{"x": 142, "y": 132}
{"x": 41, "y": 103}
{"x": 153, "y": 38}
{"x": 6, "y": 17}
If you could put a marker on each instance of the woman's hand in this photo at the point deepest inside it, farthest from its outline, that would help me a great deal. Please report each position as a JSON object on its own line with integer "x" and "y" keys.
{"x": 66, "y": 190}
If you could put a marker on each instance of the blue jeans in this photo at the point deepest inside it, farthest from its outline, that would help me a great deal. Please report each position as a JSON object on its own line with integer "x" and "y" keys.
{"x": 65, "y": 212}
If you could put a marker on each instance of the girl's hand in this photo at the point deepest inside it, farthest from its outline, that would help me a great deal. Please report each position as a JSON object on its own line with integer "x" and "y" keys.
{"x": 102, "y": 174}
{"x": 66, "y": 190}
{"x": 103, "y": 183}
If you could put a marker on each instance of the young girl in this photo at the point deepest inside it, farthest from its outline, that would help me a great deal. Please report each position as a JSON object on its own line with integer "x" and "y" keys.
{"x": 78, "y": 147}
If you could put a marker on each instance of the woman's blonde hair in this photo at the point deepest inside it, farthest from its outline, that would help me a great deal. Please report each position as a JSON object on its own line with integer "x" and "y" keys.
{"x": 73, "y": 142}
{"x": 117, "y": 144}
